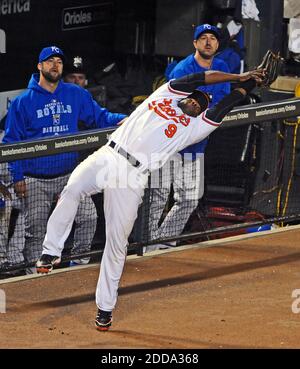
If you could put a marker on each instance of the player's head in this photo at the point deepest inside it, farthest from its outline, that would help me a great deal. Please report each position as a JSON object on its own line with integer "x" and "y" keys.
{"x": 75, "y": 72}
{"x": 194, "y": 104}
{"x": 206, "y": 40}
{"x": 50, "y": 63}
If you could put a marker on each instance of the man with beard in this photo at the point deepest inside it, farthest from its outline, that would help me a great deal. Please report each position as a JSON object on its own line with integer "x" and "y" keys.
{"x": 49, "y": 107}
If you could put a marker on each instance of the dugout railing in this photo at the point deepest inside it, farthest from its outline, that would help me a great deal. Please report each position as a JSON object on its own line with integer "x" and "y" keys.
{"x": 252, "y": 176}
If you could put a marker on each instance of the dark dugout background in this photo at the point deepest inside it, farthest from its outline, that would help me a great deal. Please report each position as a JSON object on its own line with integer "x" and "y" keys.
{"x": 101, "y": 31}
{"x": 31, "y": 25}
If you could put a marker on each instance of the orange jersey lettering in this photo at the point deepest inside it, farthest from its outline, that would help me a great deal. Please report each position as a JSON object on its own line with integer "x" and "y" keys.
{"x": 166, "y": 111}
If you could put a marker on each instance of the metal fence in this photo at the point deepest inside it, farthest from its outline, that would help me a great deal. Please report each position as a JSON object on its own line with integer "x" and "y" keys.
{"x": 252, "y": 175}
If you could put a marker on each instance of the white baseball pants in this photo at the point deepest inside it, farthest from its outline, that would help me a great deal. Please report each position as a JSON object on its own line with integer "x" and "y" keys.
{"x": 123, "y": 187}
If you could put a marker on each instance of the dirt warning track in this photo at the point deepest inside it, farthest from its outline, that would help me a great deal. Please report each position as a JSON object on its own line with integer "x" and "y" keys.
{"x": 234, "y": 295}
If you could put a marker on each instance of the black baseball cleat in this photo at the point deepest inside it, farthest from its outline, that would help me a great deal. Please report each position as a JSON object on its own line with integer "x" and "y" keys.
{"x": 46, "y": 262}
{"x": 103, "y": 320}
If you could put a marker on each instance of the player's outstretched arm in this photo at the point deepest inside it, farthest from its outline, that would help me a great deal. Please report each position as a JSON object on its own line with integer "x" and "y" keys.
{"x": 264, "y": 75}
{"x": 191, "y": 82}
{"x": 213, "y": 76}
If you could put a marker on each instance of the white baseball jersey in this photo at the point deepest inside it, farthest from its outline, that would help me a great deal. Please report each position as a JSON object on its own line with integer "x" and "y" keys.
{"x": 158, "y": 128}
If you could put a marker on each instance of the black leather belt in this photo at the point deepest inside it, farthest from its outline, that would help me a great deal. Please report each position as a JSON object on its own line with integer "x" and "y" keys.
{"x": 132, "y": 160}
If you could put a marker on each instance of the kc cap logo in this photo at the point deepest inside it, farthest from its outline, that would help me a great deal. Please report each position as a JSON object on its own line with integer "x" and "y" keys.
{"x": 206, "y": 28}
{"x": 50, "y": 51}
{"x": 55, "y": 49}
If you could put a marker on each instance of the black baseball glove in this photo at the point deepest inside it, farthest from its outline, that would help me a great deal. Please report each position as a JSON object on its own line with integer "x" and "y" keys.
{"x": 271, "y": 64}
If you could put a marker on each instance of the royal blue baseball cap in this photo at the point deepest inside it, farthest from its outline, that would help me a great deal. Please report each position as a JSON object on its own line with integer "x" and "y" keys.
{"x": 50, "y": 51}
{"x": 206, "y": 28}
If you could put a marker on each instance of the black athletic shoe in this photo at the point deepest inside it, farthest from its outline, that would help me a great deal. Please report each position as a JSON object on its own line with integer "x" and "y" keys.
{"x": 46, "y": 262}
{"x": 103, "y": 320}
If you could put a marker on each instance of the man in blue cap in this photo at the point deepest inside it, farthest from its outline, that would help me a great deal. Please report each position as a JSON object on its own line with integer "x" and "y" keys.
{"x": 50, "y": 107}
{"x": 185, "y": 171}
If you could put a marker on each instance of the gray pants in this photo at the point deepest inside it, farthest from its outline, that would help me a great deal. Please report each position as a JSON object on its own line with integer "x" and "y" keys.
{"x": 41, "y": 193}
{"x": 4, "y": 225}
{"x": 16, "y": 243}
{"x": 11, "y": 245}
{"x": 187, "y": 177}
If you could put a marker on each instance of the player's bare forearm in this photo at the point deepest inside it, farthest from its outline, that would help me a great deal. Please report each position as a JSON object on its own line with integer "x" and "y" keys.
{"x": 213, "y": 76}
{"x": 191, "y": 82}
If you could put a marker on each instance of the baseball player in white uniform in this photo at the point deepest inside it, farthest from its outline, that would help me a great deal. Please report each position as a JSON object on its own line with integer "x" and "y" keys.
{"x": 172, "y": 118}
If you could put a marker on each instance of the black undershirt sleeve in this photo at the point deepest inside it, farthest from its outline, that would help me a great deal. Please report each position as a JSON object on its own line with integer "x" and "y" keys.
{"x": 218, "y": 112}
{"x": 188, "y": 83}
